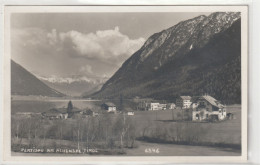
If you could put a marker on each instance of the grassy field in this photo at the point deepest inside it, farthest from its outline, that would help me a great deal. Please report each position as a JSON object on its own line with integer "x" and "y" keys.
{"x": 151, "y": 123}
{"x": 180, "y": 150}
{"x": 228, "y": 131}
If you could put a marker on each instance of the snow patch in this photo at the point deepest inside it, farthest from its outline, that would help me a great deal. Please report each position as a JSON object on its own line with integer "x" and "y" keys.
{"x": 69, "y": 80}
{"x": 191, "y": 46}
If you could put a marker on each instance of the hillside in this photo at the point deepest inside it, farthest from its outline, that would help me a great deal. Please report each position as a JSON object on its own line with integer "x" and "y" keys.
{"x": 25, "y": 83}
{"x": 196, "y": 56}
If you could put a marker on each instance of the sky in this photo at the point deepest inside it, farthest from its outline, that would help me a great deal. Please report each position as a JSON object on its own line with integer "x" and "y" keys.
{"x": 83, "y": 44}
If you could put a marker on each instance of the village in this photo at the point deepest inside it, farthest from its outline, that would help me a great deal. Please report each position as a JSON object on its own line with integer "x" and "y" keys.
{"x": 122, "y": 126}
{"x": 199, "y": 108}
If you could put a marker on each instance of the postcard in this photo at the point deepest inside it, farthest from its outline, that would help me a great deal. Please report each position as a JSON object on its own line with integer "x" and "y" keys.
{"x": 125, "y": 83}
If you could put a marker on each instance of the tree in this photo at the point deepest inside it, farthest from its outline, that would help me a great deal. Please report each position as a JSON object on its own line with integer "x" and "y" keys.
{"x": 146, "y": 126}
{"x": 59, "y": 130}
{"x": 131, "y": 133}
{"x": 69, "y": 109}
{"x": 172, "y": 115}
{"x": 121, "y": 102}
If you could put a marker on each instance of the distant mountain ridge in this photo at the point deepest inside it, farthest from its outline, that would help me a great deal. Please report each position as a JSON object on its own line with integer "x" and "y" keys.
{"x": 75, "y": 86}
{"x": 73, "y": 79}
{"x": 25, "y": 83}
{"x": 194, "y": 57}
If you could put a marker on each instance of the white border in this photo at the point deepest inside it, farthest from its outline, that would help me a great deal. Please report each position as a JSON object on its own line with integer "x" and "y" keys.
{"x": 124, "y": 159}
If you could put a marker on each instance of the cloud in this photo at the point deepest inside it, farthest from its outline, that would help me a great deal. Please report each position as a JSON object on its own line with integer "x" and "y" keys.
{"x": 109, "y": 46}
{"x": 102, "y": 45}
{"x": 52, "y": 37}
{"x": 71, "y": 53}
{"x": 87, "y": 69}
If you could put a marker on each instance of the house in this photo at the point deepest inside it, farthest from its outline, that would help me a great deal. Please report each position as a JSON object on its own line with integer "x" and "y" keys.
{"x": 65, "y": 115}
{"x": 154, "y": 106}
{"x": 209, "y": 109}
{"x": 184, "y": 102}
{"x": 170, "y": 106}
{"x": 129, "y": 112}
{"x": 157, "y": 106}
{"x": 91, "y": 112}
{"x": 162, "y": 106}
{"x": 52, "y": 114}
{"x": 61, "y": 113}
{"x": 143, "y": 104}
{"x": 64, "y": 112}
{"x": 69, "y": 114}
{"x": 109, "y": 107}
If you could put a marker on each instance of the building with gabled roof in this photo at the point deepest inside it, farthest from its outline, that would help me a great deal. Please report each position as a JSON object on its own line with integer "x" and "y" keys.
{"x": 109, "y": 107}
{"x": 209, "y": 102}
{"x": 209, "y": 109}
{"x": 64, "y": 112}
{"x": 170, "y": 106}
{"x": 184, "y": 102}
{"x": 128, "y": 111}
{"x": 60, "y": 113}
{"x": 212, "y": 101}
{"x": 92, "y": 112}
{"x": 52, "y": 114}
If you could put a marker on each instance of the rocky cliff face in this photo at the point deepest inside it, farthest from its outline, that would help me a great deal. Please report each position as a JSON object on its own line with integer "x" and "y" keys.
{"x": 196, "y": 56}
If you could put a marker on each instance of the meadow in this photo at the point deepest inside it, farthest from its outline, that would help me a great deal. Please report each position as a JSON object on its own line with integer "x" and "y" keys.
{"x": 146, "y": 128}
{"x": 228, "y": 131}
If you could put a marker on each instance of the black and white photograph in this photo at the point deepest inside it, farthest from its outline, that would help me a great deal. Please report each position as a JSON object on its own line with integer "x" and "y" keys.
{"x": 118, "y": 81}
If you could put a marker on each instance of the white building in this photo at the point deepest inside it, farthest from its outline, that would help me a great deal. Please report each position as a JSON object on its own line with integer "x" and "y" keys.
{"x": 183, "y": 102}
{"x": 209, "y": 109}
{"x": 157, "y": 106}
{"x": 154, "y": 106}
{"x": 171, "y": 106}
{"x": 110, "y": 107}
{"x": 162, "y": 106}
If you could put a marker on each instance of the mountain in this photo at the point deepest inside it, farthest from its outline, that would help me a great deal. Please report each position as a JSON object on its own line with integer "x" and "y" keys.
{"x": 25, "y": 83}
{"x": 75, "y": 85}
{"x": 194, "y": 57}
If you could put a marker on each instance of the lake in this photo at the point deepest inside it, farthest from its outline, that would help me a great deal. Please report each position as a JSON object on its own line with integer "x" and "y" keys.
{"x": 44, "y": 105}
